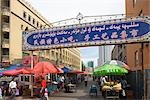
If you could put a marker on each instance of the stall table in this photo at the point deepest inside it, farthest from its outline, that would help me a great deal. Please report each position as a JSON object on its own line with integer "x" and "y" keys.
{"x": 72, "y": 87}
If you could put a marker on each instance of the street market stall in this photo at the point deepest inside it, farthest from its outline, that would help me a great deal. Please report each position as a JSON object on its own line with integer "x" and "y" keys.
{"x": 112, "y": 88}
{"x": 41, "y": 69}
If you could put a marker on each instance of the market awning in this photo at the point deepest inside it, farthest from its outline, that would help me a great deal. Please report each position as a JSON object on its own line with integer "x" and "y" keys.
{"x": 84, "y": 73}
{"x": 11, "y": 67}
{"x": 17, "y": 71}
{"x": 45, "y": 68}
{"x": 60, "y": 70}
{"x": 76, "y": 72}
{"x": 66, "y": 69}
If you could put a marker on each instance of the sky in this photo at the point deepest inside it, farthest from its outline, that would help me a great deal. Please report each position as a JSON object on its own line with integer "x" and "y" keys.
{"x": 56, "y": 10}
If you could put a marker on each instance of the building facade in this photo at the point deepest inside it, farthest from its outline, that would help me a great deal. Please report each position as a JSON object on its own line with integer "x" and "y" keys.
{"x": 136, "y": 55}
{"x": 119, "y": 53}
{"x": 104, "y": 54}
{"x": 91, "y": 64}
{"x": 18, "y": 16}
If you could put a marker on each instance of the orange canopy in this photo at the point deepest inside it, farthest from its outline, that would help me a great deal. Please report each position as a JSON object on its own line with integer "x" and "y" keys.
{"x": 45, "y": 68}
{"x": 25, "y": 70}
{"x": 60, "y": 70}
{"x": 17, "y": 71}
{"x": 76, "y": 71}
{"x": 84, "y": 73}
{"x": 11, "y": 72}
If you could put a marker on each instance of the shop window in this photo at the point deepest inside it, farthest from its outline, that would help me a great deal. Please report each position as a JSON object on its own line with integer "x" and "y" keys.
{"x": 27, "y": 78}
{"x": 21, "y": 78}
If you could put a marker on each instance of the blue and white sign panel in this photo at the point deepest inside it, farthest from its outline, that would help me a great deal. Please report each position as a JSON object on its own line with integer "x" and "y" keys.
{"x": 96, "y": 33}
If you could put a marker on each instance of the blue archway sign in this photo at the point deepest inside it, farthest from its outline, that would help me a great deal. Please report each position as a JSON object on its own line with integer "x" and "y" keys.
{"x": 86, "y": 34}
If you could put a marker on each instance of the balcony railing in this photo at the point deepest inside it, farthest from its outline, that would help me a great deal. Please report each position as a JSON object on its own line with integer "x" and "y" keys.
{"x": 5, "y": 57}
{"x": 5, "y": 43}
{"x": 5, "y": 26}
{"x": 5, "y": 10}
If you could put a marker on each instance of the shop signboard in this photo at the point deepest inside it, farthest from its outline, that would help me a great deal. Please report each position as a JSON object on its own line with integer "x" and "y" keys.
{"x": 116, "y": 31}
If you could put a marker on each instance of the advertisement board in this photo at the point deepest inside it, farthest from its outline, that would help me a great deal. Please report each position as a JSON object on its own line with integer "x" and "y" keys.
{"x": 86, "y": 34}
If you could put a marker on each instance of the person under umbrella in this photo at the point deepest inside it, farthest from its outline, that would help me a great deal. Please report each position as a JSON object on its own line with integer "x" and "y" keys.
{"x": 86, "y": 80}
{"x": 12, "y": 89}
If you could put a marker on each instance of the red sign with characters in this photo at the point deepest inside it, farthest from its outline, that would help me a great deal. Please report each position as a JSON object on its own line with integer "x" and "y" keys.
{"x": 28, "y": 59}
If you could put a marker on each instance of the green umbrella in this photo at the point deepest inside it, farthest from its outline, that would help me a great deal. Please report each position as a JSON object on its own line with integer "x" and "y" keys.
{"x": 109, "y": 69}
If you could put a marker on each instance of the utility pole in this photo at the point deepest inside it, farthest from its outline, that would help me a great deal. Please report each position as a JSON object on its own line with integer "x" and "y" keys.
{"x": 0, "y": 34}
{"x": 104, "y": 54}
{"x": 144, "y": 75}
{"x": 32, "y": 65}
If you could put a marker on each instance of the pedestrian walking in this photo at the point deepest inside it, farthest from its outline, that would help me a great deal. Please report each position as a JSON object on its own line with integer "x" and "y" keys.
{"x": 42, "y": 91}
{"x": 86, "y": 80}
{"x": 12, "y": 89}
{"x": 103, "y": 80}
{"x": 62, "y": 81}
{"x": 124, "y": 86}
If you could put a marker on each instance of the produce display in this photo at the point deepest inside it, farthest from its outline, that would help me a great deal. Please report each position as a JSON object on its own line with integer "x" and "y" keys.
{"x": 111, "y": 86}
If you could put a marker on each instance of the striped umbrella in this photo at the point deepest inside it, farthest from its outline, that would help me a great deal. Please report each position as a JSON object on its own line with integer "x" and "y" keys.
{"x": 118, "y": 63}
{"x": 108, "y": 69}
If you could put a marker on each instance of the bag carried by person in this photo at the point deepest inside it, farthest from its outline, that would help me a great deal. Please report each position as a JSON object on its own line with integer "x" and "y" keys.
{"x": 123, "y": 93}
{"x": 46, "y": 92}
{"x": 17, "y": 92}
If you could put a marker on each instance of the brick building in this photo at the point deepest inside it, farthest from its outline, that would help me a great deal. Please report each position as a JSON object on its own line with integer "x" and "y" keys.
{"x": 136, "y": 55}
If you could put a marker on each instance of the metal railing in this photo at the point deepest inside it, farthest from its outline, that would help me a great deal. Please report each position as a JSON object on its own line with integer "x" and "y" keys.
{"x": 6, "y": 57}
{"x": 5, "y": 41}
{"x": 5, "y": 9}
{"x": 5, "y": 25}
{"x": 86, "y": 19}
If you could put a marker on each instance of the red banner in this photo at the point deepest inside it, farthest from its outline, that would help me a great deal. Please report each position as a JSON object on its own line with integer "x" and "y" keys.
{"x": 27, "y": 60}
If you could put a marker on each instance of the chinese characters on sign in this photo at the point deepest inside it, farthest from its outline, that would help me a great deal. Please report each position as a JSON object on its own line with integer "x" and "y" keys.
{"x": 89, "y": 33}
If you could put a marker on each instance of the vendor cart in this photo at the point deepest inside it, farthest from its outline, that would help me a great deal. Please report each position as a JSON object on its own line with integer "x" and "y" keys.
{"x": 111, "y": 94}
{"x": 93, "y": 90}
{"x": 112, "y": 91}
{"x": 72, "y": 87}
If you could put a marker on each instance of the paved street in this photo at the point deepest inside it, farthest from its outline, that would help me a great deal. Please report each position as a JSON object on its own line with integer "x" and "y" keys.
{"x": 81, "y": 94}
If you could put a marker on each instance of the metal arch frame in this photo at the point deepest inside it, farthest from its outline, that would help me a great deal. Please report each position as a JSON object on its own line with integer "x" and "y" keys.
{"x": 81, "y": 20}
